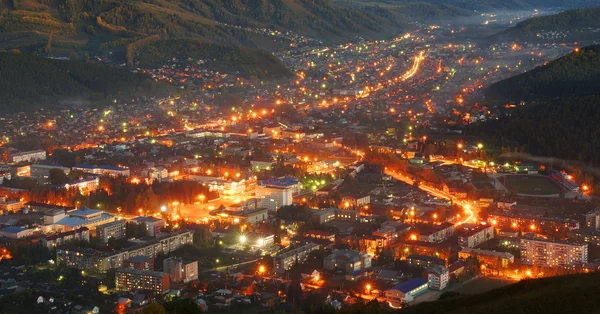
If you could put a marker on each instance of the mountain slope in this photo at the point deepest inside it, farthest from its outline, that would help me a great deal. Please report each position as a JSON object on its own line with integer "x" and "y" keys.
{"x": 560, "y": 119}
{"x": 29, "y": 82}
{"x": 576, "y": 74}
{"x": 566, "y": 21}
{"x": 565, "y": 294}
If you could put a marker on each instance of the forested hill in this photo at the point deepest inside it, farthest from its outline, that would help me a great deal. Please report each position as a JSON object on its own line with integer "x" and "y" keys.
{"x": 29, "y": 82}
{"x": 560, "y": 118}
{"x": 564, "y": 294}
{"x": 576, "y": 19}
{"x": 576, "y": 74}
{"x": 248, "y": 62}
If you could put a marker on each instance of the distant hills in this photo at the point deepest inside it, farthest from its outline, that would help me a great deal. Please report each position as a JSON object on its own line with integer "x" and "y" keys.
{"x": 560, "y": 118}
{"x": 534, "y": 29}
{"x": 564, "y": 294}
{"x": 29, "y": 82}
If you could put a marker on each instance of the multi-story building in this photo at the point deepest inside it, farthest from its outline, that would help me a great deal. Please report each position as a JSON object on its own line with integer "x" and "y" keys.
{"x": 437, "y": 277}
{"x": 350, "y": 261}
{"x": 320, "y": 234}
{"x": 284, "y": 261}
{"x": 85, "y": 185}
{"x": 552, "y": 253}
{"x": 14, "y": 232}
{"x": 58, "y": 239}
{"x": 492, "y": 258}
{"x": 153, "y": 224}
{"x": 521, "y": 221}
{"x": 110, "y": 171}
{"x": 249, "y": 216}
{"x": 424, "y": 261}
{"x": 140, "y": 262}
{"x": 277, "y": 192}
{"x": 592, "y": 219}
{"x": 585, "y": 235}
{"x": 179, "y": 270}
{"x": 112, "y": 230}
{"x": 28, "y": 156}
{"x": 435, "y": 233}
{"x": 102, "y": 261}
{"x": 130, "y": 279}
{"x": 439, "y": 250}
{"x": 474, "y": 236}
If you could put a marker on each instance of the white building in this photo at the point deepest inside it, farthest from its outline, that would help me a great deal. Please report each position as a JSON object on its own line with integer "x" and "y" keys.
{"x": 153, "y": 224}
{"x": 14, "y": 232}
{"x": 28, "y": 156}
{"x": 277, "y": 192}
{"x": 43, "y": 171}
{"x": 110, "y": 171}
{"x": 180, "y": 270}
{"x": 437, "y": 277}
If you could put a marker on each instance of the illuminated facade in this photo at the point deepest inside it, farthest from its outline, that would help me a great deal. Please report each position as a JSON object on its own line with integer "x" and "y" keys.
{"x": 129, "y": 279}
{"x": 548, "y": 253}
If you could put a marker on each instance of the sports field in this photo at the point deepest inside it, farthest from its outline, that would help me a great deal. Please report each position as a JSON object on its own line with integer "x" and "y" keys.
{"x": 530, "y": 184}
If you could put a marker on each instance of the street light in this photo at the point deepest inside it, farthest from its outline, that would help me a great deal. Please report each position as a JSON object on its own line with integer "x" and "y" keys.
{"x": 243, "y": 239}
{"x": 163, "y": 208}
{"x": 261, "y": 269}
{"x": 480, "y": 146}
{"x": 368, "y": 288}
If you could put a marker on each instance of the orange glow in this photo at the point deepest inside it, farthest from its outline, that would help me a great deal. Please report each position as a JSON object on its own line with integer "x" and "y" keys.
{"x": 5, "y": 254}
{"x": 532, "y": 227}
{"x": 413, "y": 237}
{"x": 585, "y": 187}
{"x": 514, "y": 224}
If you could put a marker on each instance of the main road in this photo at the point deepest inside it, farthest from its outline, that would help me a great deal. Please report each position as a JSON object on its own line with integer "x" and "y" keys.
{"x": 468, "y": 208}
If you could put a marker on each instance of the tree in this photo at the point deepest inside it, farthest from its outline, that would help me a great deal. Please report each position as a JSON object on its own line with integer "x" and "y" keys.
{"x": 386, "y": 256}
{"x": 57, "y": 177}
{"x": 182, "y": 306}
{"x": 154, "y": 308}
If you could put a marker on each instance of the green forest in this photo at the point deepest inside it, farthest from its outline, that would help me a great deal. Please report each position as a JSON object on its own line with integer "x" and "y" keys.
{"x": 29, "y": 81}
{"x": 561, "y": 113}
{"x": 247, "y": 61}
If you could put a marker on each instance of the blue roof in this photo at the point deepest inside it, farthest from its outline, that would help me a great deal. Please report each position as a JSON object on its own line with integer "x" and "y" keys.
{"x": 78, "y": 221}
{"x": 410, "y": 285}
{"x": 107, "y": 167}
{"x": 13, "y": 229}
{"x": 84, "y": 211}
{"x": 280, "y": 182}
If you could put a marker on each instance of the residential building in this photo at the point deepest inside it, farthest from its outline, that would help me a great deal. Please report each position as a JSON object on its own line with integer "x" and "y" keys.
{"x": 424, "y": 261}
{"x": 437, "y": 277}
{"x": 112, "y": 230}
{"x": 320, "y": 234}
{"x": 179, "y": 270}
{"x": 102, "y": 261}
{"x": 14, "y": 232}
{"x": 474, "y": 236}
{"x": 492, "y": 258}
{"x": 11, "y": 206}
{"x": 406, "y": 291}
{"x": 153, "y": 224}
{"x": 347, "y": 260}
{"x": 58, "y": 239}
{"x": 85, "y": 185}
{"x": 322, "y": 216}
{"x": 110, "y": 171}
{"x": 260, "y": 165}
{"x": 28, "y": 156}
{"x": 284, "y": 261}
{"x": 434, "y": 232}
{"x": 130, "y": 279}
{"x": 140, "y": 262}
{"x": 515, "y": 220}
{"x": 543, "y": 252}
{"x": 354, "y": 201}
{"x": 585, "y": 235}
{"x": 249, "y": 216}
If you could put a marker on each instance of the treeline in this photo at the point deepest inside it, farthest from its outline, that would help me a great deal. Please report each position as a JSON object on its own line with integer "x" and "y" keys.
{"x": 134, "y": 46}
{"x": 247, "y": 61}
{"x": 115, "y": 30}
{"x": 12, "y": 21}
{"x": 29, "y": 81}
{"x": 576, "y": 74}
{"x": 566, "y": 129}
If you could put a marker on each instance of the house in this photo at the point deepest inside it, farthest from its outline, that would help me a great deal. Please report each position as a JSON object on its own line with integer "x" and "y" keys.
{"x": 406, "y": 291}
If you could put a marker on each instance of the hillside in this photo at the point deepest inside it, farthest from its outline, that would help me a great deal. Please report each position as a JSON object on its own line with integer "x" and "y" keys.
{"x": 247, "y": 61}
{"x": 29, "y": 82}
{"x": 566, "y": 294}
{"x": 560, "y": 119}
{"x": 576, "y": 74}
{"x": 97, "y": 25}
{"x": 576, "y": 22}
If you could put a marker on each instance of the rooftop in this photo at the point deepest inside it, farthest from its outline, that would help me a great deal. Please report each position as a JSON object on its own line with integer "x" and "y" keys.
{"x": 410, "y": 285}
{"x": 13, "y": 229}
